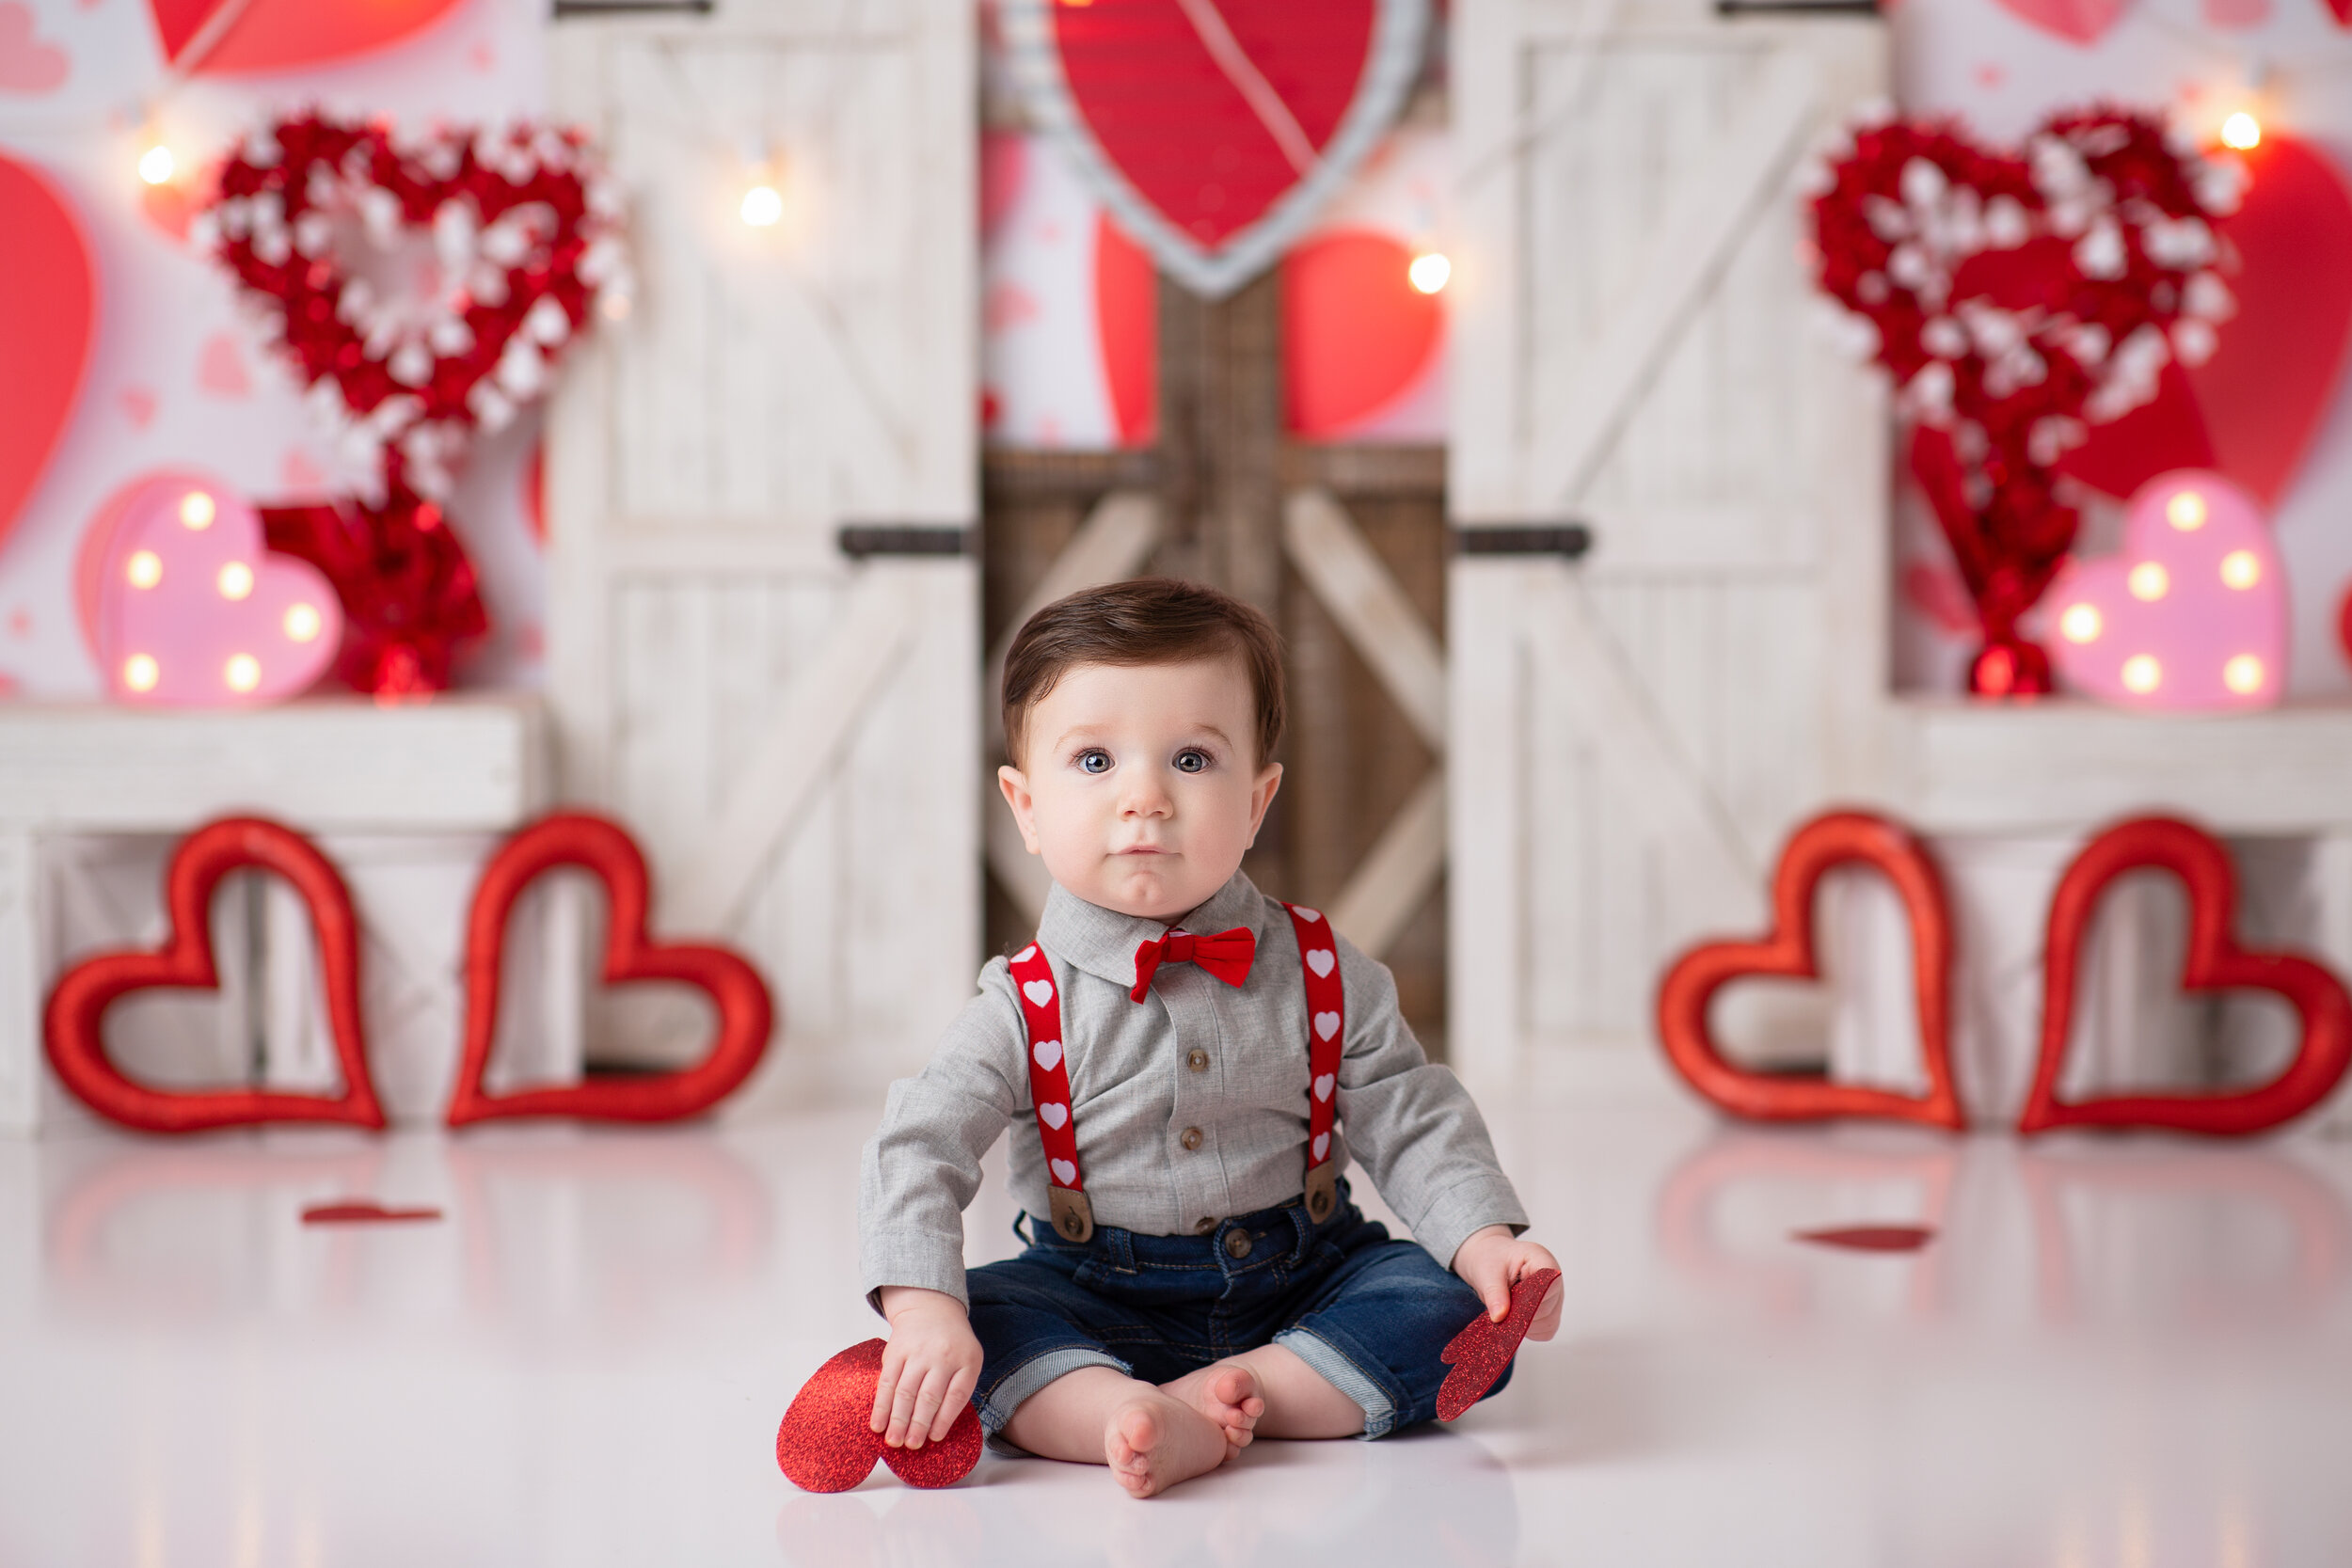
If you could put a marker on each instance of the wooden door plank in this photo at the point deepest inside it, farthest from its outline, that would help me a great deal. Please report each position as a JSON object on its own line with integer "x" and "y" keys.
{"x": 801, "y": 744}
{"x": 1397, "y": 873}
{"x": 1378, "y": 620}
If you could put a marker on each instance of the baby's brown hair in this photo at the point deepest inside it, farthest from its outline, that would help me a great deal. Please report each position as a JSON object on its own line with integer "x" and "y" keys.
{"x": 1148, "y": 621}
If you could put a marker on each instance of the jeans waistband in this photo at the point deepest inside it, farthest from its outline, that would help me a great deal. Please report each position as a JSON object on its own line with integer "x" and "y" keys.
{"x": 1277, "y": 1234}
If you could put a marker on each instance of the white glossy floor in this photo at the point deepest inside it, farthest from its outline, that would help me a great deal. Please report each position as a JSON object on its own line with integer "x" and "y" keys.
{"x": 2130, "y": 1352}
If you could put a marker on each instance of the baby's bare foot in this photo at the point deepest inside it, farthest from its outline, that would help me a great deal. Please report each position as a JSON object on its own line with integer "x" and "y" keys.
{"x": 1228, "y": 1394}
{"x": 1153, "y": 1441}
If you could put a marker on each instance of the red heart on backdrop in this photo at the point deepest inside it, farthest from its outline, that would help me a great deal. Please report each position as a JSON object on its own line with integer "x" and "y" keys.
{"x": 827, "y": 1443}
{"x": 73, "y": 1024}
{"x": 48, "y": 303}
{"x": 605, "y": 850}
{"x": 1214, "y": 130}
{"x": 2215, "y": 963}
{"x": 2076, "y": 21}
{"x": 1818, "y": 848}
{"x": 1355, "y": 331}
{"x": 286, "y": 35}
{"x": 2251, "y": 410}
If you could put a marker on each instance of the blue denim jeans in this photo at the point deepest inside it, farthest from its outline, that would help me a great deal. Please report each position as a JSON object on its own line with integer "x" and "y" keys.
{"x": 1368, "y": 1313}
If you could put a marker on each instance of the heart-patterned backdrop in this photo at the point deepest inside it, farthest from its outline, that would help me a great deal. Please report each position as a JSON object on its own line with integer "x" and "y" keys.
{"x": 177, "y": 376}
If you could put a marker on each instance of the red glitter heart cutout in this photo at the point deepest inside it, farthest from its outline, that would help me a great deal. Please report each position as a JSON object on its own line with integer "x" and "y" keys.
{"x": 1870, "y": 1238}
{"x": 1480, "y": 1352}
{"x": 827, "y": 1443}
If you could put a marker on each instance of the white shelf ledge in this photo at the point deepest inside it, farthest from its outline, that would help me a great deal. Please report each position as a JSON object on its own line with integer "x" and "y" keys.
{"x": 455, "y": 764}
{"x": 1955, "y": 766}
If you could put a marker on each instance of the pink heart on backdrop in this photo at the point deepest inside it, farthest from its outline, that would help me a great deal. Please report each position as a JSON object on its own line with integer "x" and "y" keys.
{"x": 2191, "y": 615}
{"x": 2076, "y": 20}
{"x": 137, "y": 404}
{"x": 185, "y": 608}
{"x": 27, "y": 64}
{"x": 48, "y": 301}
{"x": 284, "y": 35}
{"x": 220, "y": 367}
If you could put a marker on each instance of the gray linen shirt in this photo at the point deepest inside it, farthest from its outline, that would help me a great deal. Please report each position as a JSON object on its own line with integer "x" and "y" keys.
{"x": 1196, "y": 1055}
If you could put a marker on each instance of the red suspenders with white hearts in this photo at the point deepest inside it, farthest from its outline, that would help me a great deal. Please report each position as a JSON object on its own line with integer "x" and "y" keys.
{"x": 1049, "y": 1073}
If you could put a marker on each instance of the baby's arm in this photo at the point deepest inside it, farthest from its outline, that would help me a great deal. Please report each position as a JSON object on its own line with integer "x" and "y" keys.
{"x": 930, "y": 1367}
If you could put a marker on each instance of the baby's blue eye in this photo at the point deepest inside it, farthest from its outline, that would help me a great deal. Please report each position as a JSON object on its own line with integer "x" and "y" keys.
{"x": 1192, "y": 762}
{"x": 1094, "y": 762}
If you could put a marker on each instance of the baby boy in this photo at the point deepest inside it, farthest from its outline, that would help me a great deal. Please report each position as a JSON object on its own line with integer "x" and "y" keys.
{"x": 1172, "y": 1053}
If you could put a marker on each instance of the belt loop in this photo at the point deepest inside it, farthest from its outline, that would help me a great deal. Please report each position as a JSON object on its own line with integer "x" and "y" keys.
{"x": 1305, "y": 1226}
{"x": 1119, "y": 1245}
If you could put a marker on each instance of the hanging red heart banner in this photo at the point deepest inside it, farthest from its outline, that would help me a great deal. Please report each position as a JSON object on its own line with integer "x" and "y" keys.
{"x": 1215, "y": 130}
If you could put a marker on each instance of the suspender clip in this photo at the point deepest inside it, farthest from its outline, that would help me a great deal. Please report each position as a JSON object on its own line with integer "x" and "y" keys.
{"x": 1323, "y": 1190}
{"x": 1073, "y": 1216}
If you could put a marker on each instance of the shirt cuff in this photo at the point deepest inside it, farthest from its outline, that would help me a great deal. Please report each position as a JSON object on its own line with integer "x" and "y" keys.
{"x": 917, "y": 1266}
{"x": 1463, "y": 1209}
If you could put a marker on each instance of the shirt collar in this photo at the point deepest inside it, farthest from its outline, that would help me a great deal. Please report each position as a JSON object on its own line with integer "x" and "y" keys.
{"x": 1103, "y": 942}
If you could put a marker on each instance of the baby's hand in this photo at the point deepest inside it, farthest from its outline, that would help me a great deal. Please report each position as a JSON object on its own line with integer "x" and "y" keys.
{"x": 930, "y": 1367}
{"x": 1493, "y": 1261}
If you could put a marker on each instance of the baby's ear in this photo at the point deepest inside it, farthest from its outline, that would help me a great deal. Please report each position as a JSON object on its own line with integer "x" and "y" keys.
{"x": 1015, "y": 784}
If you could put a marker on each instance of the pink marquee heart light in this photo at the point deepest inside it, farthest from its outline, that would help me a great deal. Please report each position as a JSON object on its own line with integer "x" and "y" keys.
{"x": 189, "y": 610}
{"x": 2191, "y": 615}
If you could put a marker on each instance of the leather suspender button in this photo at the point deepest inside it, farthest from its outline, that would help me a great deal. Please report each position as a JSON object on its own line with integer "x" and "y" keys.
{"x": 1238, "y": 1244}
{"x": 1197, "y": 1059}
{"x": 1191, "y": 1139}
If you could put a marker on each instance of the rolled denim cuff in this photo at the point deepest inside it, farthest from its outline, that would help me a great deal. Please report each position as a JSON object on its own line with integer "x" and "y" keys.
{"x": 1012, "y": 1390}
{"x": 1339, "y": 1372}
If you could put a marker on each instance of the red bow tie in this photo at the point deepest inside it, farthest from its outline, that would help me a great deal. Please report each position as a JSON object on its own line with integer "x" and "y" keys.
{"x": 1226, "y": 955}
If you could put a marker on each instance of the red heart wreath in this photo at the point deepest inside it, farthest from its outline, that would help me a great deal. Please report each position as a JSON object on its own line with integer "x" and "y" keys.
{"x": 2019, "y": 298}
{"x": 524, "y": 240}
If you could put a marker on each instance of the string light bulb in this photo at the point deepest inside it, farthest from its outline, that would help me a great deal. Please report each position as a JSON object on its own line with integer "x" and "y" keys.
{"x": 2242, "y": 132}
{"x": 763, "y": 206}
{"x": 157, "y": 166}
{"x": 1429, "y": 270}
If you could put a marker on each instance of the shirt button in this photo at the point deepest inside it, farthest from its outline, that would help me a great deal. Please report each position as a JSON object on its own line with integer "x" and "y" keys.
{"x": 1204, "y": 1224}
{"x": 1238, "y": 1244}
{"x": 1198, "y": 1060}
{"x": 1191, "y": 1138}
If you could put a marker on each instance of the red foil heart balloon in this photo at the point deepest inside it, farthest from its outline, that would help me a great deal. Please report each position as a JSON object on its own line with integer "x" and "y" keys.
{"x": 77, "y": 1008}
{"x": 603, "y": 848}
{"x": 2215, "y": 963}
{"x": 827, "y": 1443}
{"x": 1480, "y": 1352}
{"x": 1821, "y": 846}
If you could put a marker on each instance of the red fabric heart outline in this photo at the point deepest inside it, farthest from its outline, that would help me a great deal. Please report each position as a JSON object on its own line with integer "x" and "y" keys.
{"x": 1818, "y": 848}
{"x": 77, "y": 1006}
{"x": 826, "y": 1442}
{"x": 1480, "y": 1352}
{"x": 2215, "y": 963}
{"x": 604, "y": 849}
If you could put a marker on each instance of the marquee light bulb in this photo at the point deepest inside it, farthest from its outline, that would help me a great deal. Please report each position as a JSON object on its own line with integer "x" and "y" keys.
{"x": 302, "y": 623}
{"x": 2148, "y": 581}
{"x": 242, "y": 672}
{"x": 2185, "y": 512}
{"x": 145, "y": 569}
{"x": 2243, "y": 675}
{"x": 2242, "y": 132}
{"x": 2241, "y": 569}
{"x": 197, "y": 511}
{"x": 157, "y": 164}
{"x": 2080, "y": 624}
{"x": 139, "y": 672}
{"x": 763, "y": 206}
{"x": 1429, "y": 270}
{"x": 2142, "y": 674}
{"x": 236, "y": 581}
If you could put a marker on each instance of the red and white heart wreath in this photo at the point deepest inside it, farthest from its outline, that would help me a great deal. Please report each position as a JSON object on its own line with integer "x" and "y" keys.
{"x": 524, "y": 245}
{"x": 2018, "y": 298}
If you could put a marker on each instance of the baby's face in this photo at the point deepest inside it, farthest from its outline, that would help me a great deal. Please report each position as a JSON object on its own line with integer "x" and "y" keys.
{"x": 1140, "y": 785}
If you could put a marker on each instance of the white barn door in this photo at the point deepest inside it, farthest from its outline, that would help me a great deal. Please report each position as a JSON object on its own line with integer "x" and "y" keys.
{"x": 791, "y": 732}
{"x": 1637, "y": 348}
